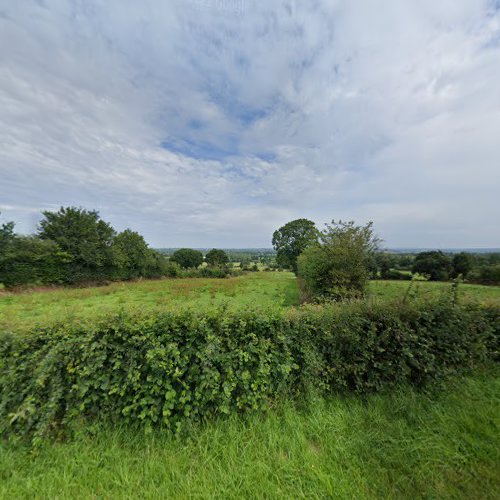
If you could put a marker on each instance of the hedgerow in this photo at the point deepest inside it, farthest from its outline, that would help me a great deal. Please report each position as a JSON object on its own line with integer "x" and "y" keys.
{"x": 167, "y": 369}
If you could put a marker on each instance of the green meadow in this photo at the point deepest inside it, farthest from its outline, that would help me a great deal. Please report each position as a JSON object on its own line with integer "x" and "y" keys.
{"x": 259, "y": 289}
{"x": 265, "y": 290}
{"x": 442, "y": 442}
{"x": 429, "y": 290}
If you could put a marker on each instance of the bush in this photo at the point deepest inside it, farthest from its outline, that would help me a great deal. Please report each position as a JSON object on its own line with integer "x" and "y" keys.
{"x": 486, "y": 275}
{"x": 206, "y": 272}
{"x": 32, "y": 261}
{"x": 393, "y": 274}
{"x": 178, "y": 366}
{"x": 338, "y": 267}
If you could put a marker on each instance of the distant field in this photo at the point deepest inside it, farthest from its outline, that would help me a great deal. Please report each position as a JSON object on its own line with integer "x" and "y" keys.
{"x": 262, "y": 289}
{"x": 393, "y": 290}
{"x": 251, "y": 290}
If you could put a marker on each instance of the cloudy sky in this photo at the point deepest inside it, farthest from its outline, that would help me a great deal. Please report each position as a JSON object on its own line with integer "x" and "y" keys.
{"x": 213, "y": 122}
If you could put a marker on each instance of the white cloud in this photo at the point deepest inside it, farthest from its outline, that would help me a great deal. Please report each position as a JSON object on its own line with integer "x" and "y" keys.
{"x": 211, "y": 122}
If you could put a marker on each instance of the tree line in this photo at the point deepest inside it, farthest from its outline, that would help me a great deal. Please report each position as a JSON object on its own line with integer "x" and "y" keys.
{"x": 337, "y": 262}
{"x": 74, "y": 245}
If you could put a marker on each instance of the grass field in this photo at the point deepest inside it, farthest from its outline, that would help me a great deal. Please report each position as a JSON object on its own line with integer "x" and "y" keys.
{"x": 403, "y": 444}
{"x": 251, "y": 290}
{"x": 393, "y": 290}
{"x": 273, "y": 289}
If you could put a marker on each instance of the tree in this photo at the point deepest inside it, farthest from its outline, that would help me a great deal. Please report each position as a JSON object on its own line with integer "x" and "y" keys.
{"x": 216, "y": 257}
{"x": 84, "y": 236}
{"x": 30, "y": 261}
{"x": 6, "y": 238}
{"x": 434, "y": 264}
{"x": 131, "y": 255}
{"x": 187, "y": 258}
{"x": 384, "y": 264}
{"x": 462, "y": 264}
{"x": 338, "y": 267}
{"x": 292, "y": 239}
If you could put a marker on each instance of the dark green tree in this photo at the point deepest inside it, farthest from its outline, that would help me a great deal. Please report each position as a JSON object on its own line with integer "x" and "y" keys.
{"x": 384, "y": 264}
{"x": 292, "y": 239}
{"x": 462, "y": 263}
{"x": 339, "y": 266}
{"x": 32, "y": 261}
{"x": 6, "y": 238}
{"x": 434, "y": 264}
{"x": 187, "y": 258}
{"x": 216, "y": 257}
{"x": 84, "y": 236}
{"x": 131, "y": 255}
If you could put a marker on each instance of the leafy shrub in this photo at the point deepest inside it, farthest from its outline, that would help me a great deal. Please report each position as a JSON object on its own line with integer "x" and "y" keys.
{"x": 338, "y": 267}
{"x": 30, "y": 261}
{"x": 486, "y": 275}
{"x": 394, "y": 274}
{"x": 165, "y": 369}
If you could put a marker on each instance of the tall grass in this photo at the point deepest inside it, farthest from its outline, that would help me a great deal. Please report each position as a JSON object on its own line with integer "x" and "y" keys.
{"x": 23, "y": 310}
{"x": 402, "y": 444}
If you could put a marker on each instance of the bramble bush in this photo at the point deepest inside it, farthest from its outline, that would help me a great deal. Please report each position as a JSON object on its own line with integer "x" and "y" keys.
{"x": 167, "y": 369}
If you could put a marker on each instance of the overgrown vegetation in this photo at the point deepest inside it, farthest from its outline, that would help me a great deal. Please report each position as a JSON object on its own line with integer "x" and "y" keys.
{"x": 404, "y": 443}
{"x": 23, "y": 310}
{"x": 75, "y": 246}
{"x": 337, "y": 267}
{"x": 171, "y": 368}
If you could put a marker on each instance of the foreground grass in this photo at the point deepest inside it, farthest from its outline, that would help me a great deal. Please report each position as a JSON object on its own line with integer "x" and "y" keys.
{"x": 19, "y": 310}
{"x": 403, "y": 444}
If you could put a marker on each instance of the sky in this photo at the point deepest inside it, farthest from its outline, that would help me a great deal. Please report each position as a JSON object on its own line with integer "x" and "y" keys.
{"x": 213, "y": 122}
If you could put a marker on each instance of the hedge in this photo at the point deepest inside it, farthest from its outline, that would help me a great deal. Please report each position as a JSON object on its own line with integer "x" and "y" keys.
{"x": 167, "y": 369}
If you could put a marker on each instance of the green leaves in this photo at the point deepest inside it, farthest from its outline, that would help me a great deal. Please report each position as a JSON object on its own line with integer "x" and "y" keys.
{"x": 179, "y": 366}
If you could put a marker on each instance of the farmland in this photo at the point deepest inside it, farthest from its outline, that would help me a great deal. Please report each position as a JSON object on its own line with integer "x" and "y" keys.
{"x": 262, "y": 289}
{"x": 273, "y": 289}
{"x": 398, "y": 443}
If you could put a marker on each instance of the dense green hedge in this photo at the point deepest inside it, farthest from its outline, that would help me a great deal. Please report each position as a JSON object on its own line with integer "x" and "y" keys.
{"x": 169, "y": 368}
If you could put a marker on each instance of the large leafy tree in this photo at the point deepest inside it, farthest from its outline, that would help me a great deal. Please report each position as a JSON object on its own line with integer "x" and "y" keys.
{"x": 216, "y": 257}
{"x": 292, "y": 239}
{"x": 434, "y": 264}
{"x": 131, "y": 255}
{"x": 339, "y": 266}
{"x": 80, "y": 233}
{"x": 187, "y": 258}
{"x": 462, "y": 263}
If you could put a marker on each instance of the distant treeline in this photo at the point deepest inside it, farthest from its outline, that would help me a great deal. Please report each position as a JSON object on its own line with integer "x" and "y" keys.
{"x": 437, "y": 265}
{"x": 337, "y": 262}
{"x": 242, "y": 256}
{"x": 74, "y": 246}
